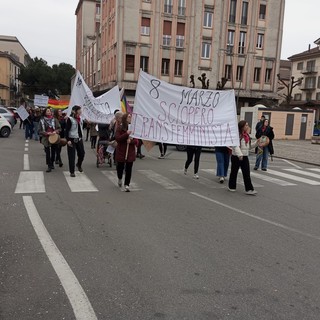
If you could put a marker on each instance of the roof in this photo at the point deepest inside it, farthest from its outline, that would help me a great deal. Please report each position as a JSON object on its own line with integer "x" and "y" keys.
{"x": 314, "y": 52}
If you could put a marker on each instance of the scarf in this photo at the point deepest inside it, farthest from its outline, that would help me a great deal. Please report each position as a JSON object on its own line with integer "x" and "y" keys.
{"x": 246, "y": 137}
{"x": 49, "y": 123}
{"x": 78, "y": 119}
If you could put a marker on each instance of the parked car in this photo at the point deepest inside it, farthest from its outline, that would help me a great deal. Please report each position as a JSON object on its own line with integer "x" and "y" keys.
{"x": 14, "y": 111}
{"x": 8, "y": 115}
{"x": 316, "y": 129}
{"x": 5, "y": 127}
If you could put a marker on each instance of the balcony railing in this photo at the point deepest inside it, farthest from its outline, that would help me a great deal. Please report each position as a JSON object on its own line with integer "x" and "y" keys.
{"x": 309, "y": 70}
{"x": 166, "y": 40}
{"x": 308, "y": 87}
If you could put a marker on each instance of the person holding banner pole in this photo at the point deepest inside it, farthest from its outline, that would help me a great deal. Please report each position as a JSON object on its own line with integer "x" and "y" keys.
{"x": 126, "y": 151}
{"x": 196, "y": 152}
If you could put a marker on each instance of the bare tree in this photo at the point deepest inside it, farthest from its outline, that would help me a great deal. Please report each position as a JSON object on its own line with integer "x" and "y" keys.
{"x": 290, "y": 86}
{"x": 204, "y": 81}
{"x": 222, "y": 83}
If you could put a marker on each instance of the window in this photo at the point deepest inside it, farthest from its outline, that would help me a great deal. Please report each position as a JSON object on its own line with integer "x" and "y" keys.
{"x": 166, "y": 41}
{"x": 310, "y": 83}
{"x": 230, "y": 41}
{"x": 267, "y": 78}
{"x": 318, "y": 96}
{"x": 180, "y": 35}
{"x": 256, "y": 76}
{"x": 242, "y": 42}
{"x": 145, "y": 26}
{"x": 239, "y": 73}
{"x": 233, "y": 11}
{"x": 319, "y": 82}
{"x": 311, "y": 64}
{"x": 260, "y": 41}
{"x": 165, "y": 66}
{"x": 206, "y": 50}
{"x": 178, "y": 64}
{"x": 297, "y": 97}
{"x": 129, "y": 63}
{"x": 289, "y": 124}
{"x": 308, "y": 96}
{"x": 168, "y": 6}
{"x": 227, "y": 71}
{"x": 179, "y": 41}
{"x": 207, "y": 19}
{"x": 262, "y": 12}
{"x": 144, "y": 63}
{"x": 300, "y": 66}
{"x": 167, "y": 33}
{"x": 244, "y": 13}
{"x": 182, "y": 8}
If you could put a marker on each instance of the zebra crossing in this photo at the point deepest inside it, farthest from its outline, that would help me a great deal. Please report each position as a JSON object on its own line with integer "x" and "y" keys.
{"x": 35, "y": 181}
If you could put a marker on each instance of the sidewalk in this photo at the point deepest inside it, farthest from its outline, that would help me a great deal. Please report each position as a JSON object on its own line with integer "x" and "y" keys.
{"x": 297, "y": 150}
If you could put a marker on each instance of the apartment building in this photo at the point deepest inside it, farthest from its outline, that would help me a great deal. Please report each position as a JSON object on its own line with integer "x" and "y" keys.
{"x": 234, "y": 42}
{"x": 12, "y": 57}
{"x": 307, "y": 65}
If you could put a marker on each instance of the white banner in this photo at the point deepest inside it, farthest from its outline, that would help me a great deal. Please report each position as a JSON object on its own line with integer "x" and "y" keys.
{"x": 40, "y": 101}
{"x": 23, "y": 113}
{"x": 100, "y": 109}
{"x": 181, "y": 115}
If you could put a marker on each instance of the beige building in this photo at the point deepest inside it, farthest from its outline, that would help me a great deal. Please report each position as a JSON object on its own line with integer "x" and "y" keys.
{"x": 307, "y": 65}
{"x": 236, "y": 40}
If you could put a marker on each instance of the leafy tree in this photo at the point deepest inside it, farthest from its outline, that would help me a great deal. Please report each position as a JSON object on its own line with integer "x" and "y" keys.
{"x": 39, "y": 78}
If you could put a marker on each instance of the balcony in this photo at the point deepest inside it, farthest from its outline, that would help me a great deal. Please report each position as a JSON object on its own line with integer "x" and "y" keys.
{"x": 308, "y": 87}
{"x": 309, "y": 70}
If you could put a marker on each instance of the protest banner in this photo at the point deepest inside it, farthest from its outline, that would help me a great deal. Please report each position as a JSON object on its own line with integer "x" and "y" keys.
{"x": 40, "y": 101}
{"x": 23, "y": 113}
{"x": 98, "y": 110}
{"x": 180, "y": 115}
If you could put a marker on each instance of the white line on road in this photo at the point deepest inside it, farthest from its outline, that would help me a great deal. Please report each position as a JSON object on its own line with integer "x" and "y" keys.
{"x": 314, "y": 169}
{"x": 80, "y": 303}
{"x": 26, "y": 149}
{"x": 292, "y": 177}
{"x": 276, "y": 224}
{"x": 309, "y": 174}
{"x": 27, "y": 140}
{"x": 163, "y": 181}
{"x": 271, "y": 179}
{"x": 112, "y": 176}
{"x": 292, "y": 164}
{"x": 26, "y": 164}
{"x": 30, "y": 182}
{"x": 26, "y": 144}
{"x": 79, "y": 183}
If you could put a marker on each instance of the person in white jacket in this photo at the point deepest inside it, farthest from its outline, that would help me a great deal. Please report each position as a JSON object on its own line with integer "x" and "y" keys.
{"x": 239, "y": 159}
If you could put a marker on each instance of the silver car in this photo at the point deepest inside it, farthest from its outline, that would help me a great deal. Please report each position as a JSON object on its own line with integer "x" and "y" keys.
{"x": 8, "y": 115}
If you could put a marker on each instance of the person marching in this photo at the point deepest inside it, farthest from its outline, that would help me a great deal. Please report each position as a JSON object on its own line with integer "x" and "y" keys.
{"x": 196, "y": 152}
{"x": 59, "y": 116}
{"x": 163, "y": 150}
{"x": 223, "y": 159}
{"x": 49, "y": 126}
{"x": 240, "y": 159}
{"x": 264, "y": 150}
{"x": 93, "y": 134}
{"x": 74, "y": 137}
{"x": 126, "y": 151}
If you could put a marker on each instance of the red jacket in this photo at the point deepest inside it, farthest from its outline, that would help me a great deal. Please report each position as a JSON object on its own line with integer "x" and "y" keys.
{"x": 121, "y": 138}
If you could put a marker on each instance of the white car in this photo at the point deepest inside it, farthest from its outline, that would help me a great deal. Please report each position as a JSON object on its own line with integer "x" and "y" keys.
{"x": 5, "y": 127}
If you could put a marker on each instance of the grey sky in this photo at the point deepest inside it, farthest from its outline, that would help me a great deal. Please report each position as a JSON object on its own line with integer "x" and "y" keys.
{"x": 46, "y": 28}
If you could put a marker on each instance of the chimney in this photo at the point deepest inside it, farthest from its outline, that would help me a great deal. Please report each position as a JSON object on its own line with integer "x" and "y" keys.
{"x": 309, "y": 47}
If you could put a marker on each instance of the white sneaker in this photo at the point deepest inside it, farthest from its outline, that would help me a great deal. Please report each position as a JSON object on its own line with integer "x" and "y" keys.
{"x": 119, "y": 183}
{"x": 127, "y": 188}
{"x": 251, "y": 192}
{"x": 161, "y": 156}
{"x": 195, "y": 176}
{"x": 221, "y": 179}
{"x": 185, "y": 171}
{"x": 232, "y": 190}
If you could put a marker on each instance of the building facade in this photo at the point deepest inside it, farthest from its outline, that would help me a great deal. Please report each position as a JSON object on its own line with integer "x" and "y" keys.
{"x": 235, "y": 43}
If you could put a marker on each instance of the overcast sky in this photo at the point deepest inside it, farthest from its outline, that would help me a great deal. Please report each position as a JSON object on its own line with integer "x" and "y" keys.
{"x": 46, "y": 28}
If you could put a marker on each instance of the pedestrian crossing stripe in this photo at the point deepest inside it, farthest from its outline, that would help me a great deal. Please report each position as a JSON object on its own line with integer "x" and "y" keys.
{"x": 314, "y": 169}
{"x": 306, "y": 173}
{"x": 159, "y": 179}
{"x": 279, "y": 182}
{"x": 295, "y": 178}
{"x": 112, "y": 176}
{"x": 79, "y": 183}
{"x": 30, "y": 182}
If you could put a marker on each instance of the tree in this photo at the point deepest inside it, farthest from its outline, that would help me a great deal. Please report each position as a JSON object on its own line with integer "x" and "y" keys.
{"x": 39, "y": 78}
{"x": 290, "y": 86}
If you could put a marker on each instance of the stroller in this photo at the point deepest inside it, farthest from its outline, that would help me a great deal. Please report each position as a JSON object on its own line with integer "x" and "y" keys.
{"x": 103, "y": 156}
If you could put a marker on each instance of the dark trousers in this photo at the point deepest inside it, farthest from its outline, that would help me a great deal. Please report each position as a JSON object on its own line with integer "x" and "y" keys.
{"x": 196, "y": 152}
{"x": 58, "y": 153}
{"x": 245, "y": 168}
{"x": 163, "y": 148}
{"x": 76, "y": 147}
{"x": 93, "y": 140}
{"x": 28, "y": 130}
{"x": 50, "y": 154}
{"x": 127, "y": 166}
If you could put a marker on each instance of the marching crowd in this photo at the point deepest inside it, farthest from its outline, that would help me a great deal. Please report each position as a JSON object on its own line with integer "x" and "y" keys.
{"x": 56, "y": 129}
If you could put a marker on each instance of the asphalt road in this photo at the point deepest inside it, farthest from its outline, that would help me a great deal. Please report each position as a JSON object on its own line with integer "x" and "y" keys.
{"x": 173, "y": 248}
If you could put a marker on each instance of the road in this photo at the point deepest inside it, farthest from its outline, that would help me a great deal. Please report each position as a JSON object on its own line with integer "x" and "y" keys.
{"x": 173, "y": 248}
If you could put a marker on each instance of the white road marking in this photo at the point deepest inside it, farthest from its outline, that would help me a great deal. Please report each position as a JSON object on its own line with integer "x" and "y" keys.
{"x": 26, "y": 164}
{"x": 26, "y": 149}
{"x": 26, "y": 144}
{"x": 27, "y": 140}
{"x": 30, "y": 182}
{"x": 314, "y": 169}
{"x": 79, "y": 183}
{"x": 80, "y": 303}
{"x": 163, "y": 181}
{"x": 292, "y": 177}
{"x": 292, "y": 164}
{"x": 306, "y": 173}
{"x": 276, "y": 224}
{"x": 272, "y": 180}
{"x": 112, "y": 176}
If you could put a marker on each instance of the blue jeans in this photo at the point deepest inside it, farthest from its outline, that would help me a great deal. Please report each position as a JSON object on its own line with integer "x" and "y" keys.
{"x": 262, "y": 156}
{"x": 35, "y": 130}
{"x": 223, "y": 159}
